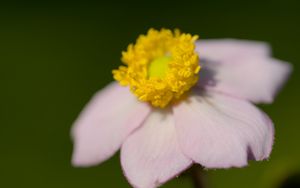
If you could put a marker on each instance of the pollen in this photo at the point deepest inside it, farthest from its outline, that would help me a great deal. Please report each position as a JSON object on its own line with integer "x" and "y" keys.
{"x": 160, "y": 67}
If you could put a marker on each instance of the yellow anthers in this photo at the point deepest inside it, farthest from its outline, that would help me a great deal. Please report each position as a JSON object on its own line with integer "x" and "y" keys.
{"x": 160, "y": 66}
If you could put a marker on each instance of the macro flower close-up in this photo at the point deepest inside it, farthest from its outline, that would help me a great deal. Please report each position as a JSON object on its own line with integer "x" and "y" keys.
{"x": 178, "y": 100}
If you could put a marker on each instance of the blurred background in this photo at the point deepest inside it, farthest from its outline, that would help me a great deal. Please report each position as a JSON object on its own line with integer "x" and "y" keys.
{"x": 55, "y": 55}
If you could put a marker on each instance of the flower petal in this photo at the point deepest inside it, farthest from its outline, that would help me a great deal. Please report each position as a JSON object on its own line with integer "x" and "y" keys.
{"x": 103, "y": 125}
{"x": 257, "y": 79}
{"x": 219, "y": 131}
{"x": 229, "y": 49}
{"x": 151, "y": 155}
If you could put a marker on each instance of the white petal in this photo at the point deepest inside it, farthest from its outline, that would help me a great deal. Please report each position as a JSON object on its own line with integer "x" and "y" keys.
{"x": 229, "y": 49}
{"x": 219, "y": 131}
{"x": 151, "y": 155}
{"x": 104, "y": 123}
{"x": 257, "y": 79}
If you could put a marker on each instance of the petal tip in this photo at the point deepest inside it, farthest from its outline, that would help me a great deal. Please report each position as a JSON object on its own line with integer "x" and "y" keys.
{"x": 86, "y": 158}
{"x": 232, "y": 164}
{"x": 80, "y": 161}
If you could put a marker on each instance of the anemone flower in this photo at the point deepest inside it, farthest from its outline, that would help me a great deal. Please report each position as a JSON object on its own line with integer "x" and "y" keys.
{"x": 179, "y": 101}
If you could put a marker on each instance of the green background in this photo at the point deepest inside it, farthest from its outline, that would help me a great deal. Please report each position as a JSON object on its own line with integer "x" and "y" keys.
{"x": 54, "y": 56}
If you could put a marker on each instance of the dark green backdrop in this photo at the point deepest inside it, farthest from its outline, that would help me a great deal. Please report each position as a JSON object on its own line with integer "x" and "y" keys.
{"x": 54, "y": 56}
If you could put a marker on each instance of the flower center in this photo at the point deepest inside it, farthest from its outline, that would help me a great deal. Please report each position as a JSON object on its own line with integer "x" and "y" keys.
{"x": 160, "y": 67}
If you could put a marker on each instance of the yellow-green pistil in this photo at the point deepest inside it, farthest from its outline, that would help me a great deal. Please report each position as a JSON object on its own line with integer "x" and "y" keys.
{"x": 158, "y": 67}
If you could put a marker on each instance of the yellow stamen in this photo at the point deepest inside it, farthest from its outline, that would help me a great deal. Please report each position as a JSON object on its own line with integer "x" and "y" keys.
{"x": 160, "y": 66}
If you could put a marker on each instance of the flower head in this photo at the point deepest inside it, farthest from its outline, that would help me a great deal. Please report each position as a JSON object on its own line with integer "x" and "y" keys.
{"x": 215, "y": 124}
{"x": 161, "y": 66}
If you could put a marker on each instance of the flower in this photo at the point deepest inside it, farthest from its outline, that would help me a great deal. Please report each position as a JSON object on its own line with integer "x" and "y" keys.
{"x": 189, "y": 102}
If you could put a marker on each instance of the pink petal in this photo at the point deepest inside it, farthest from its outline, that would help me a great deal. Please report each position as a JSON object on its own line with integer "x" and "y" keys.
{"x": 229, "y": 49}
{"x": 257, "y": 79}
{"x": 219, "y": 131}
{"x": 104, "y": 123}
{"x": 151, "y": 155}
